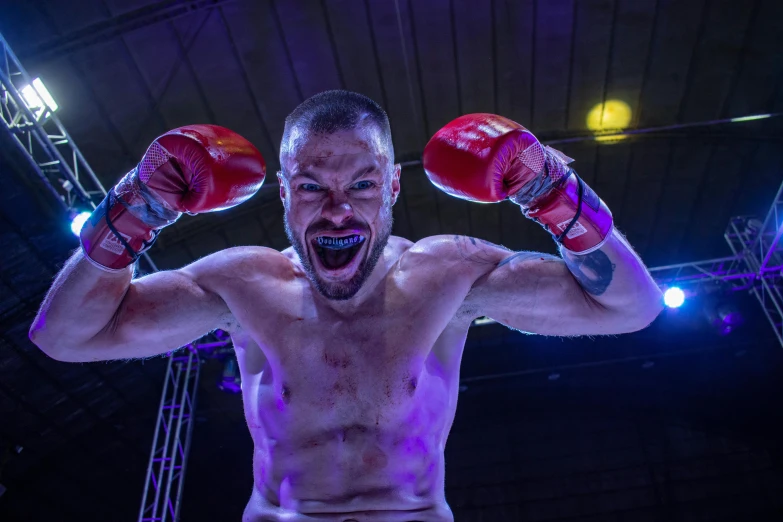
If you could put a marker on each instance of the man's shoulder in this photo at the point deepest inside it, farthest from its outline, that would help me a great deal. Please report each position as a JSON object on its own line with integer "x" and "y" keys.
{"x": 243, "y": 262}
{"x": 451, "y": 252}
{"x": 447, "y": 248}
{"x": 439, "y": 244}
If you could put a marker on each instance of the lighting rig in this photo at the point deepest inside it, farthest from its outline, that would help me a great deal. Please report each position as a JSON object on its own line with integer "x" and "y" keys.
{"x": 28, "y": 115}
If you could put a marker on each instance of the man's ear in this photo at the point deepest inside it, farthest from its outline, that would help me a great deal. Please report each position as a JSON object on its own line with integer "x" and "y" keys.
{"x": 396, "y": 182}
{"x": 281, "y": 182}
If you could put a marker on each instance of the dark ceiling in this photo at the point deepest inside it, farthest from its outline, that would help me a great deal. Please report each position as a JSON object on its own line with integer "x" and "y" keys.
{"x": 125, "y": 71}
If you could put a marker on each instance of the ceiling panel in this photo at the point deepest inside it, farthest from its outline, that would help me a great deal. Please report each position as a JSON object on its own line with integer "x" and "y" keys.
{"x": 676, "y": 34}
{"x": 552, "y": 35}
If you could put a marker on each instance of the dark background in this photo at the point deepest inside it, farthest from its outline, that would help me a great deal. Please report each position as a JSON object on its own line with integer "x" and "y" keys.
{"x": 671, "y": 423}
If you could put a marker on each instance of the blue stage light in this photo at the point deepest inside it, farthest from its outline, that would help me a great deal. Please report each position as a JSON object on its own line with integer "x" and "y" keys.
{"x": 673, "y": 297}
{"x": 78, "y": 222}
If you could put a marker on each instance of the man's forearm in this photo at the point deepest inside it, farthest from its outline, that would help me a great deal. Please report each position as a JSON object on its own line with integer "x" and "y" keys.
{"x": 615, "y": 277}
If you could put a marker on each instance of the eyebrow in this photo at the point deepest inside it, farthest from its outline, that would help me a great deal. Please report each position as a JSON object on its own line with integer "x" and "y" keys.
{"x": 361, "y": 171}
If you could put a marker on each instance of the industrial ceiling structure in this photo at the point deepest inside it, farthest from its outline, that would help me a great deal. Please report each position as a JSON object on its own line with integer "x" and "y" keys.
{"x": 77, "y": 437}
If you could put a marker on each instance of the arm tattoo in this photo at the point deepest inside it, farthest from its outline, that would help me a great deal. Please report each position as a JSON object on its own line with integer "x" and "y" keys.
{"x": 480, "y": 251}
{"x": 593, "y": 271}
{"x": 524, "y": 256}
{"x": 471, "y": 249}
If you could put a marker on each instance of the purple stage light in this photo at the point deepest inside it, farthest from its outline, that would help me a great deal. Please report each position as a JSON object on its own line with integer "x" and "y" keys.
{"x": 728, "y": 318}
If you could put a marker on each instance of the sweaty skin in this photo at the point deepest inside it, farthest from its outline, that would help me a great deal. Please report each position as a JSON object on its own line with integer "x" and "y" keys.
{"x": 349, "y": 375}
{"x": 349, "y": 401}
{"x": 349, "y": 409}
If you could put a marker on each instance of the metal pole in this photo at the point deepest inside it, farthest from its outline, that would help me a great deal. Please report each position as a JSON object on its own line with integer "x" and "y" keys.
{"x": 154, "y": 443}
{"x": 770, "y": 215}
{"x": 39, "y": 172}
{"x": 163, "y": 458}
{"x": 175, "y": 444}
{"x": 188, "y": 438}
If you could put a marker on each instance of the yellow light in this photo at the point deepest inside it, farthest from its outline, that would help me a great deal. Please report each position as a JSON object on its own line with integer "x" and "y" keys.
{"x": 609, "y": 118}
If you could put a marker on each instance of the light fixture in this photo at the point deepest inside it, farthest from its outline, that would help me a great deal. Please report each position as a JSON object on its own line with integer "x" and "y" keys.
{"x": 726, "y": 317}
{"x": 610, "y": 117}
{"x": 751, "y": 118}
{"x": 721, "y": 309}
{"x": 78, "y": 222}
{"x": 673, "y": 297}
{"x": 37, "y": 98}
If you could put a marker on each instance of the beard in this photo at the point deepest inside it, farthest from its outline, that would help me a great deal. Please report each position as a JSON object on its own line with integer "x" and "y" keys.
{"x": 342, "y": 290}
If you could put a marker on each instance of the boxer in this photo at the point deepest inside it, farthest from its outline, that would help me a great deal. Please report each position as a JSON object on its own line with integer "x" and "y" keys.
{"x": 349, "y": 342}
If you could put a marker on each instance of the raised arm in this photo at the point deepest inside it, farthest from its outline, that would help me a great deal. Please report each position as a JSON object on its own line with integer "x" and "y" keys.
{"x": 607, "y": 291}
{"x": 90, "y": 314}
{"x": 93, "y": 311}
{"x": 599, "y": 286}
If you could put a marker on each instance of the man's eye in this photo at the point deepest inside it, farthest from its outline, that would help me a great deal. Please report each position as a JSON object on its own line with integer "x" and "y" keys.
{"x": 310, "y": 187}
{"x": 364, "y": 185}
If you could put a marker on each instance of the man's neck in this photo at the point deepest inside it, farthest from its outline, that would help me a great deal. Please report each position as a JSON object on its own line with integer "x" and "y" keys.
{"x": 368, "y": 288}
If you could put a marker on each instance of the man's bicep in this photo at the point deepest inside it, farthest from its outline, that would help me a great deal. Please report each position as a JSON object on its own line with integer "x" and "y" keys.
{"x": 161, "y": 312}
{"x": 500, "y": 276}
{"x": 532, "y": 292}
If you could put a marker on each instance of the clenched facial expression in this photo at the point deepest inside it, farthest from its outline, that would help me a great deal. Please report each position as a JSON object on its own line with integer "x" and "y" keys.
{"x": 338, "y": 190}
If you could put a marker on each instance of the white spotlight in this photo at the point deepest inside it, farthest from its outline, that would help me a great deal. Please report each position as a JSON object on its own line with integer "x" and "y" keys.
{"x": 78, "y": 222}
{"x": 37, "y": 95}
{"x": 673, "y": 297}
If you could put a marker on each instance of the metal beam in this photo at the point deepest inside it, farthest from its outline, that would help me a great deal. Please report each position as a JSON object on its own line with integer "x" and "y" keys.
{"x": 117, "y": 26}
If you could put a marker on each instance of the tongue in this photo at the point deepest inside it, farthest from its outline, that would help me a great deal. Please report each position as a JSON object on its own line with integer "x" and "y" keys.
{"x": 334, "y": 259}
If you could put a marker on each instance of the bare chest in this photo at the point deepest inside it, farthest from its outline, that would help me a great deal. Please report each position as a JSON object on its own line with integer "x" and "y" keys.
{"x": 374, "y": 367}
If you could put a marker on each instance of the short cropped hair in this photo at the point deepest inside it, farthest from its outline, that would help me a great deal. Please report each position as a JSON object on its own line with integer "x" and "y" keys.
{"x": 331, "y": 111}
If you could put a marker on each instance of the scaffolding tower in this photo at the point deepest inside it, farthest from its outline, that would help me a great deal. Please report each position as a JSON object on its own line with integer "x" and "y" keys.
{"x": 162, "y": 495}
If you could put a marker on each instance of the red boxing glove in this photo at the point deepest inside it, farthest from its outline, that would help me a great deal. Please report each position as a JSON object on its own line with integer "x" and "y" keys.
{"x": 488, "y": 158}
{"x": 192, "y": 169}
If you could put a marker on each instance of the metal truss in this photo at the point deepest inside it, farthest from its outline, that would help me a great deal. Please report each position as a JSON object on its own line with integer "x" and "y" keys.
{"x": 165, "y": 480}
{"x": 729, "y": 269}
{"x": 757, "y": 245}
{"x": 43, "y": 140}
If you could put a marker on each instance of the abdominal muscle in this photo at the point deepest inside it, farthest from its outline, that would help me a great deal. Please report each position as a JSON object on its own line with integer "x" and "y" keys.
{"x": 352, "y": 479}
{"x": 365, "y": 464}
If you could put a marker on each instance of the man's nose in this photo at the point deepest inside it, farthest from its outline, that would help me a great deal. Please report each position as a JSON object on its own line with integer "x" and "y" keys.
{"x": 337, "y": 209}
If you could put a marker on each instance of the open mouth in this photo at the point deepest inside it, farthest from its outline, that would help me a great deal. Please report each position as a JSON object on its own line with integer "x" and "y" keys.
{"x": 337, "y": 252}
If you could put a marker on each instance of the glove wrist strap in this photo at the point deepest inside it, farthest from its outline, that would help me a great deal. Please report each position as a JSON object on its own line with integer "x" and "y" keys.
{"x": 575, "y": 216}
{"x": 113, "y": 238}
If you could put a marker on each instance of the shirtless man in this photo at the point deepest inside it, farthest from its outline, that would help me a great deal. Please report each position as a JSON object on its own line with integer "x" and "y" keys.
{"x": 349, "y": 342}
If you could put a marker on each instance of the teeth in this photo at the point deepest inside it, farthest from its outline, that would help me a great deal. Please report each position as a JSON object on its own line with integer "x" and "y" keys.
{"x": 338, "y": 242}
